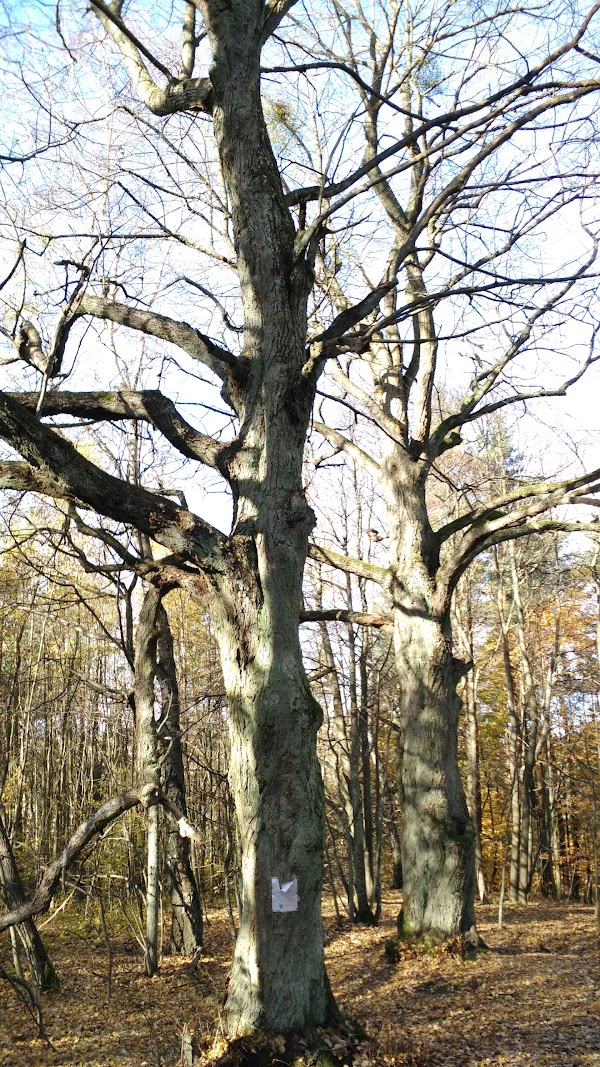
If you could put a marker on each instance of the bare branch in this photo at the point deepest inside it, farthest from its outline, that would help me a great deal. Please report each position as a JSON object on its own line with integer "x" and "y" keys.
{"x": 103, "y": 817}
{"x": 148, "y": 405}
{"x": 493, "y": 528}
{"x": 358, "y": 618}
{"x": 349, "y": 565}
{"x": 341, "y": 443}
{"x": 179, "y": 95}
{"x": 196, "y": 344}
{"x": 78, "y": 478}
{"x": 20, "y": 254}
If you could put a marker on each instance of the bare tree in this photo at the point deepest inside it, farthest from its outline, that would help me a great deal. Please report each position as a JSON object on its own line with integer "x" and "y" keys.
{"x": 251, "y": 579}
{"x": 465, "y": 316}
{"x": 444, "y": 131}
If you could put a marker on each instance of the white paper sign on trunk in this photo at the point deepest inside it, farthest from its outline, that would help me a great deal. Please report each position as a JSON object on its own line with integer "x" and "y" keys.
{"x": 284, "y": 895}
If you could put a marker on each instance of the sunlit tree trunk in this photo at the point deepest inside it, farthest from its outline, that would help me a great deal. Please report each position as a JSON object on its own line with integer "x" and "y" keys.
{"x": 464, "y": 625}
{"x": 473, "y": 781}
{"x": 278, "y": 977}
{"x": 147, "y": 760}
{"x": 437, "y": 833}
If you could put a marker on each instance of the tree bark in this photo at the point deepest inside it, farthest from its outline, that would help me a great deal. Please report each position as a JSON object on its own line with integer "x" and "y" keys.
{"x": 437, "y": 833}
{"x": 186, "y": 906}
{"x": 42, "y": 972}
{"x": 278, "y": 977}
{"x": 147, "y": 760}
{"x": 473, "y": 781}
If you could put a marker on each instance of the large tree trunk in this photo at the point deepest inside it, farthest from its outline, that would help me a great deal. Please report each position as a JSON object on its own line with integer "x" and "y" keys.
{"x": 437, "y": 834}
{"x": 278, "y": 977}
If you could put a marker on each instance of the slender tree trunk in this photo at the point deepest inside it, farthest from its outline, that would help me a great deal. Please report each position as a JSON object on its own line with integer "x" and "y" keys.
{"x": 371, "y": 865}
{"x": 358, "y": 797}
{"x": 186, "y": 907}
{"x": 147, "y": 759}
{"x": 392, "y": 829}
{"x": 349, "y": 756}
{"x": 473, "y": 781}
{"x": 42, "y": 972}
{"x": 514, "y": 739}
{"x": 152, "y": 891}
{"x": 464, "y": 617}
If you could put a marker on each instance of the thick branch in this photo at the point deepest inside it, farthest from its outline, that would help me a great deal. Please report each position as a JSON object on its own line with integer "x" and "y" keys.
{"x": 22, "y": 478}
{"x": 148, "y": 406}
{"x": 504, "y": 527}
{"x": 76, "y": 477}
{"x": 359, "y": 618}
{"x": 341, "y": 443}
{"x": 527, "y": 529}
{"x": 275, "y": 10}
{"x": 348, "y": 564}
{"x": 183, "y": 335}
{"x": 553, "y": 493}
{"x": 180, "y": 94}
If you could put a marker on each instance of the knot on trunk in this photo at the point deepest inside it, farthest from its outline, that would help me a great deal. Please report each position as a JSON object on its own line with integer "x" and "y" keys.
{"x": 149, "y": 795}
{"x": 299, "y": 511}
{"x": 461, "y": 667}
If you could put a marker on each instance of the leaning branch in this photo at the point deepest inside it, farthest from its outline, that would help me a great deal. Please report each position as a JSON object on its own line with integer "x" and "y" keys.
{"x": 548, "y": 494}
{"x": 20, "y": 254}
{"x": 348, "y": 564}
{"x": 343, "y": 444}
{"x": 180, "y": 94}
{"x": 148, "y": 405}
{"x": 97, "y": 822}
{"x": 196, "y": 344}
{"x": 531, "y": 518}
{"x": 358, "y": 618}
{"x": 71, "y": 475}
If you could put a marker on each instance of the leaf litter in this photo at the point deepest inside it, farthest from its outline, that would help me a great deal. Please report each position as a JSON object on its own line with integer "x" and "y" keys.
{"x": 531, "y": 1000}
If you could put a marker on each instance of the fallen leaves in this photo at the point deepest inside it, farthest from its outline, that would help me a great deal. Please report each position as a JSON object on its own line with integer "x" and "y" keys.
{"x": 532, "y": 1000}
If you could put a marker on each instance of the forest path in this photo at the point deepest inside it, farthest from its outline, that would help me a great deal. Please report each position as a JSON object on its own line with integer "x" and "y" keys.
{"x": 532, "y": 1000}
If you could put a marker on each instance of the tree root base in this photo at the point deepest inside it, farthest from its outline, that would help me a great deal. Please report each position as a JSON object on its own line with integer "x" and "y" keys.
{"x": 465, "y": 945}
{"x": 329, "y": 1047}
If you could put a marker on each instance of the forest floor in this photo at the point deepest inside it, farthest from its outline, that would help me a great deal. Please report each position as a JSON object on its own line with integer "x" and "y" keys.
{"x": 532, "y": 1000}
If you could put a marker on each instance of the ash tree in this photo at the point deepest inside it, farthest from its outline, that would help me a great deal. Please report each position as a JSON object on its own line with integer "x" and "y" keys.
{"x": 242, "y": 165}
